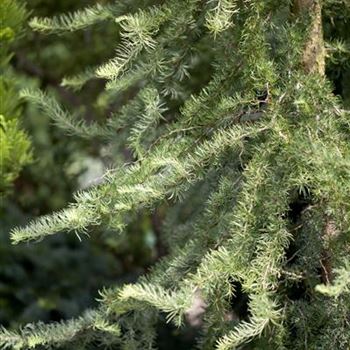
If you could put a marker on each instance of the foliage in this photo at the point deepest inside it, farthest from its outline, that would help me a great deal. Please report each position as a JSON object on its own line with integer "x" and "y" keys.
{"x": 59, "y": 278}
{"x": 14, "y": 143}
{"x": 251, "y": 162}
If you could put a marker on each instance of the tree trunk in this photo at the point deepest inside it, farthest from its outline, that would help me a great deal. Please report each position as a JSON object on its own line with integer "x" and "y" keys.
{"x": 313, "y": 56}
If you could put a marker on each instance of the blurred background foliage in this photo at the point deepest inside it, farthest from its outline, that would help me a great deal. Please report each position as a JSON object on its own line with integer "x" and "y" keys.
{"x": 60, "y": 277}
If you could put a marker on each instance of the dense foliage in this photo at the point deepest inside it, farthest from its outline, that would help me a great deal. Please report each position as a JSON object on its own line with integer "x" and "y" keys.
{"x": 219, "y": 117}
{"x": 14, "y": 143}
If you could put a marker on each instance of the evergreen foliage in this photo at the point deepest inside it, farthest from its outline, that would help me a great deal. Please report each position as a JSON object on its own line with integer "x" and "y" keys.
{"x": 14, "y": 143}
{"x": 69, "y": 123}
{"x": 253, "y": 167}
{"x": 59, "y": 278}
{"x": 74, "y": 21}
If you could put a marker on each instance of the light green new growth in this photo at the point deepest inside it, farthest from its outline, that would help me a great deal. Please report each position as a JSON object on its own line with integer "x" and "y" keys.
{"x": 150, "y": 118}
{"x": 86, "y": 327}
{"x": 264, "y": 312}
{"x": 15, "y": 151}
{"x": 218, "y": 18}
{"x": 161, "y": 182}
{"x": 76, "y": 82}
{"x": 175, "y": 304}
{"x": 76, "y": 20}
{"x": 62, "y": 119}
{"x": 137, "y": 34}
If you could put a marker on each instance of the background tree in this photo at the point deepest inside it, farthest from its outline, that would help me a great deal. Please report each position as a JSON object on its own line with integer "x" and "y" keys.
{"x": 14, "y": 143}
{"x": 248, "y": 164}
{"x": 59, "y": 278}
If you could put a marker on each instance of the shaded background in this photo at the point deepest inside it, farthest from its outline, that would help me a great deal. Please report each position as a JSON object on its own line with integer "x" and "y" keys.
{"x": 60, "y": 277}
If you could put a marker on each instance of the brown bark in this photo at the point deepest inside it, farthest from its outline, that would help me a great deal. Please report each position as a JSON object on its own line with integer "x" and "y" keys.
{"x": 330, "y": 232}
{"x": 313, "y": 56}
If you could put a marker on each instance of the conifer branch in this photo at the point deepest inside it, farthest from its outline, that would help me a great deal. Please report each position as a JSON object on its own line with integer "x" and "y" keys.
{"x": 264, "y": 312}
{"x": 152, "y": 189}
{"x": 75, "y": 219}
{"x": 150, "y": 118}
{"x": 76, "y": 82}
{"x": 75, "y": 21}
{"x": 137, "y": 34}
{"x": 174, "y": 304}
{"x": 218, "y": 18}
{"x": 84, "y": 328}
{"x": 61, "y": 118}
